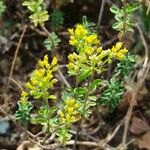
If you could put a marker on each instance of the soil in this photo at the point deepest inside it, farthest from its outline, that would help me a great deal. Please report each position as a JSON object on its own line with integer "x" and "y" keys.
{"x": 101, "y": 123}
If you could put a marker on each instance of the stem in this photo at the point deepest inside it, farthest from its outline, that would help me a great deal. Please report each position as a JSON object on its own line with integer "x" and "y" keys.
{"x": 88, "y": 91}
{"x": 15, "y": 56}
{"x": 84, "y": 106}
{"x": 101, "y": 13}
{"x": 48, "y": 116}
{"x": 49, "y": 36}
{"x": 124, "y": 21}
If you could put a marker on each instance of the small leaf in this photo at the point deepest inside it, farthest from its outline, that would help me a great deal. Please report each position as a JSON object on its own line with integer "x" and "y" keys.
{"x": 37, "y": 95}
{"x": 86, "y": 73}
{"x": 80, "y": 91}
{"x": 52, "y": 111}
{"x": 53, "y": 97}
{"x": 139, "y": 126}
{"x": 114, "y": 9}
{"x": 53, "y": 41}
{"x": 95, "y": 84}
{"x": 117, "y": 26}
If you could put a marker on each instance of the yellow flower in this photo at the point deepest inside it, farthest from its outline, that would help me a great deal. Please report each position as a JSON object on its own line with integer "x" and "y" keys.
{"x": 42, "y": 79}
{"x": 71, "y": 31}
{"x": 120, "y": 56}
{"x": 80, "y": 31}
{"x": 24, "y": 96}
{"x": 60, "y": 113}
{"x": 123, "y": 51}
{"x": 69, "y": 114}
{"x": 73, "y": 41}
{"x": 117, "y": 51}
{"x": 91, "y": 39}
{"x": 98, "y": 50}
{"x": 89, "y": 50}
{"x": 70, "y": 102}
{"x": 117, "y": 47}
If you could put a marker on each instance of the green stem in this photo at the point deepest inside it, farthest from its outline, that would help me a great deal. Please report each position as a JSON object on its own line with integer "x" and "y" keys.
{"x": 49, "y": 36}
{"x": 85, "y": 102}
{"x": 88, "y": 91}
{"x": 124, "y": 21}
{"x": 48, "y": 117}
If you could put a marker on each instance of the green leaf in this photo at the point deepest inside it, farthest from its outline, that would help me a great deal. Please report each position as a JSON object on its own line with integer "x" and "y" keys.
{"x": 114, "y": 9}
{"x": 80, "y": 91}
{"x": 39, "y": 17}
{"x": 32, "y": 6}
{"x": 95, "y": 84}
{"x": 50, "y": 41}
{"x": 86, "y": 73}
{"x": 63, "y": 135}
{"x": 130, "y": 8}
{"x": 93, "y": 98}
{"x": 52, "y": 110}
{"x": 117, "y": 26}
{"x": 37, "y": 95}
{"x": 112, "y": 95}
{"x": 52, "y": 97}
{"x": 46, "y": 117}
{"x": 23, "y": 112}
{"x": 2, "y": 7}
{"x": 57, "y": 18}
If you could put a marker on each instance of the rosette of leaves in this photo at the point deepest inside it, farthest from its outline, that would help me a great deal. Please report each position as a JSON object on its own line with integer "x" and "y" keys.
{"x": 125, "y": 67}
{"x": 24, "y": 109}
{"x": 123, "y": 16}
{"x": 57, "y": 18}
{"x": 38, "y": 16}
{"x": 63, "y": 135}
{"x": 46, "y": 117}
{"x": 112, "y": 95}
{"x": 23, "y": 113}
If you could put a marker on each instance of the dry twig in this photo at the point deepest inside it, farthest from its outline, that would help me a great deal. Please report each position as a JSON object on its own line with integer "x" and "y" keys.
{"x": 142, "y": 75}
{"x": 15, "y": 56}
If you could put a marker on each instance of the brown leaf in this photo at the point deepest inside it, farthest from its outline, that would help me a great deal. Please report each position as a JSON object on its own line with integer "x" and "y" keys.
{"x": 124, "y": 104}
{"x": 139, "y": 126}
{"x": 144, "y": 142}
{"x": 27, "y": 145}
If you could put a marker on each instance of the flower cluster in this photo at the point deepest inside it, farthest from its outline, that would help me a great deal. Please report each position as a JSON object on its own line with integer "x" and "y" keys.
{"x": 69, "y": 114}
{"x": 24, "y": 96}
{"x": 38, "y": 16}
{"x": 117, "y": 51}
{"x": 82, "y": 39}
{"x": 42, "y": 79}
{"x": 89, "y": 54}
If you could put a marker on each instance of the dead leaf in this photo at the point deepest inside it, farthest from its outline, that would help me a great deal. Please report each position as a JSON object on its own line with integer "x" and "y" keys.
{"x": 124, "y": 104}
{"x": 27, "y": 145}
{"x": 144, "y": 142}
{"x": 139, "y": 126}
